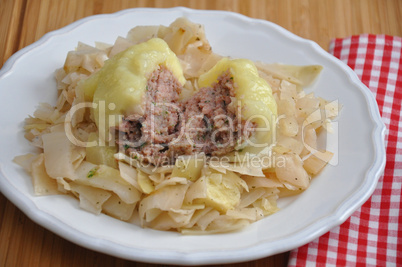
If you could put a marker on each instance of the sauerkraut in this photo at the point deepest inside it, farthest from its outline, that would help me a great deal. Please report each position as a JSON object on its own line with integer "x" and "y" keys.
{"x": 159, "y": 131}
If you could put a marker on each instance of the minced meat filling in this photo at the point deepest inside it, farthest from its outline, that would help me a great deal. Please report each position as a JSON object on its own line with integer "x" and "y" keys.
{"x": 206, "y": 122}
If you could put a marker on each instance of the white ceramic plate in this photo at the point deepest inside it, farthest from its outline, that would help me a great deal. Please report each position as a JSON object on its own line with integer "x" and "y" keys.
{"x": 27, "y": 79}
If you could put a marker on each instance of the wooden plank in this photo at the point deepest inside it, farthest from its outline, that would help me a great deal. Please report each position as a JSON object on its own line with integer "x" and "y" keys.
{"x": 11, "y": 19}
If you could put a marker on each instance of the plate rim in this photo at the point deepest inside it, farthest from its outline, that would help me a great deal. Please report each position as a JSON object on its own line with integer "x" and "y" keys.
{"x": 344, "y": 211}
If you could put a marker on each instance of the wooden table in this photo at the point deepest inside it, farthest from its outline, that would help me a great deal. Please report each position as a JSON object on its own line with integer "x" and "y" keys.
{"x": 22, "y": 22}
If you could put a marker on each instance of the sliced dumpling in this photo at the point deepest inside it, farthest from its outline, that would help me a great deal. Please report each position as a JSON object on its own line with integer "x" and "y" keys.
{"x": 119, "y": 88}
{"x": 252, "y": 94}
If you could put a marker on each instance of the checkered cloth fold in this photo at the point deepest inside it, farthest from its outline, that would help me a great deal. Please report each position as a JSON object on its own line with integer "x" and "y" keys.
{"x": 372, "y": 236}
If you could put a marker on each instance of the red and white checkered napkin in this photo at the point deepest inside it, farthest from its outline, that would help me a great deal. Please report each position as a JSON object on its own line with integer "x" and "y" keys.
{"x": 372, "y": 236}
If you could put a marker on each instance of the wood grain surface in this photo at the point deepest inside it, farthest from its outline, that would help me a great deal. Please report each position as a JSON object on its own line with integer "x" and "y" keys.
{"x": 22, "y": 22}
